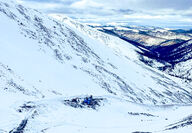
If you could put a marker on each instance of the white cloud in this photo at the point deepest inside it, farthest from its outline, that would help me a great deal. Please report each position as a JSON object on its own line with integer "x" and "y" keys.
{"x": 142, "y": 16}
{"x": 19, "y": 1}
{"x": 83, "y": 4}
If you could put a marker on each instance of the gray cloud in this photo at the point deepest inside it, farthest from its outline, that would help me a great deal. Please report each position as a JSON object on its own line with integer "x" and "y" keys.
{"x": 137, "y": 4}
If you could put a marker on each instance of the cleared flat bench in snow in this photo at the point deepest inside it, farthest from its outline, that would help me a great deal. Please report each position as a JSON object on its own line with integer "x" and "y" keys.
{"x": 84, "y": 102}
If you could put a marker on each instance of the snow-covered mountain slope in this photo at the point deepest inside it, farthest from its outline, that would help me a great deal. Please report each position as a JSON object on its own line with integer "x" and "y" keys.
{"x": 67, "y": 56}
{"x": 175, "y": 59}
{"x": 44, "y": 63}
{"x": 164, "y": 49}
{"x": 175, "y": 53}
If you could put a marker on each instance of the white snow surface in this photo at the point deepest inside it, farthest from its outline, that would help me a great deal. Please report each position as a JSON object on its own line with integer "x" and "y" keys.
{"x": 44, "y": 61}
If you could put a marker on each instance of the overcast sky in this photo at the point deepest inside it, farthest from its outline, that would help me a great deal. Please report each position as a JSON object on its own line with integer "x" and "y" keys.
{"x": 167, "y": 13}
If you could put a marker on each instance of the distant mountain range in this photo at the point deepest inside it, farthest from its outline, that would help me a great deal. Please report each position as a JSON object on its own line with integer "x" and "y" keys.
{"x": 171, "y": 49}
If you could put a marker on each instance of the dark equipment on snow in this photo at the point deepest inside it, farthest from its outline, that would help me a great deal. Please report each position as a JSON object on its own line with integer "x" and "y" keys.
{"x": 87, "y": 102}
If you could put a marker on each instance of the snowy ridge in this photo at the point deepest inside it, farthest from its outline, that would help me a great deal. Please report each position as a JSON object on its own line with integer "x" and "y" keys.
{"x": 108, "y": 40}
{"x": 45, "y": 62}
